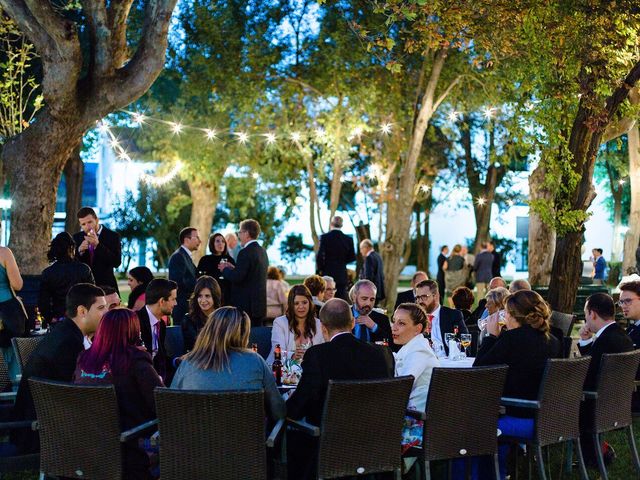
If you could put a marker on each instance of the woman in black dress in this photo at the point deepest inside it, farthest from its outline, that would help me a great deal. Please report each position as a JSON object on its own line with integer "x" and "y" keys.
{"x": 208, "y": 264}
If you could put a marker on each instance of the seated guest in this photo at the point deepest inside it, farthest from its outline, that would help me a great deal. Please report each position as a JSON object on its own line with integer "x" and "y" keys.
{"x": 525, "y": 346}
{"x": 370, "y": 325}
{"x": 206, "y": 298}
{"x": 138, "y": 278}
{"x": 600, "y": 334}
{"x": 481, "y": 310}
{"x": 55, "y": 356}
{"x": 111, "y": 296}
{"x": 160, "y": 300}
{"x": 414, "y": 358}
{"x": 519, "y": 284}
{"x": 330, "y": 288}
{"x": 115, "y": 359}
{"x": 341, "y": 357}
{"x": 64, "y": 272}
{"x": 316, "y": 286}
{"x": 299, "y": 328}
{"x": 208, "y": 264}
{"x": 221, "y": 360}
{"x": 462, "y": 299}
{"x": 409, "y": 296}
{"x": 495, "y": 301}
{"x": 276, "y": 294}
{"x": 629, "y": 296}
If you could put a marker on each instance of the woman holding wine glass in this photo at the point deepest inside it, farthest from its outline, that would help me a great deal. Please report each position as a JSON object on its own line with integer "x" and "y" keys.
{"x": 208, "y": 264}
{"x": 495, "y": 307}
{"x": 298, "y": 328}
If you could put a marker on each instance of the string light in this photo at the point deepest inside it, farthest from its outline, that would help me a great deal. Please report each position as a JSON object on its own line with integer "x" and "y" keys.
{"x": 271, "y": 138}
{"x": 255, "y": 175}
{"x": 425, "y": 188}
{"x": 385, "y": 128}
{"x": 210, "y": 133}
{"x": 138, "y": 118}
{"x": 161, "y": 180}
{"x": 115, "y": 143}
{"x": 622, "y": 181}
{"x": 243, "y": 137}
{"x": 489, "y": 112}
{"x": 481, "y": 201}
{"x": 510, "y": 203}
{"x": 177, "y": 128}
{"x": 103, "y": 127}
{"x": 453, "y": 116}
{"x": 296, "y": 136}
{"x": 356, "y": 133}
{"x": 320, "y": 133}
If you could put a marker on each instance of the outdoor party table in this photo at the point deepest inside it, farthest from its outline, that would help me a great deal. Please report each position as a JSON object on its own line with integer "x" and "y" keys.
{"x": 464, "y": 363}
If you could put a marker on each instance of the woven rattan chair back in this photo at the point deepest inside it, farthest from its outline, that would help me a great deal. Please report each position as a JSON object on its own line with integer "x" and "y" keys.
{"x": 211, "y": 435}
{"x": 560, "y": 397}
{"x": 79, "y": 430}
{"x": 563, "y": 321}
{"x": 24, "y": 347}
{"x": 463, "y": 433}
{"x": 4, "y": 374}
{"x": 353, "y": 439}
{"x": 262, "y": 337}
{"x": 615, "y": 388}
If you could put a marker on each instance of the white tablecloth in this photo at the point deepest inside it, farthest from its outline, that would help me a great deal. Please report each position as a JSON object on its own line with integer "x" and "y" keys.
{"x": 464, "y": 363}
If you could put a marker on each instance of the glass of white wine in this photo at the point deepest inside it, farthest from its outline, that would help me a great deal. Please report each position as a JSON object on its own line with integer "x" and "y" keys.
{"x": 465, "y": 340}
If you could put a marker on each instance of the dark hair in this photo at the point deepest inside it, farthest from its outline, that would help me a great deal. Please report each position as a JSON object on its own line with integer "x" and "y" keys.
{"x": 430, "y": 284}
{"x": 114, "y": 343}
{"x": 336, "y": 315}
{"x": 85, "y": 212}
{"x": 159, "y": 288}
{"x": 108, "y": 289}
{"x": 195, "y": 312}
{"x": 529, "y": 308}
{"x": 60, "y": 248}
{"x": 631, "y": 287}
{"x": 599, "y": 250}
{"x": 309, "y": 321}
{"x": 602, "y": 305}
{"x": 315, "y": 284}
{"x": 251, "y": 226}
{"x": 462, "y": 298}
{"x": 81, "y": 294}
{"x": 443, "y": 247}
{"x": 143, "y": 275}
{"x": 185, "y": 233}
{"x": 416, "y": 312}
{"x": 212, "y": 244}
{"x": 273, "y": 273}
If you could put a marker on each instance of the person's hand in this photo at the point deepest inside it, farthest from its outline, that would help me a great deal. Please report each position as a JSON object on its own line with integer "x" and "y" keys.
{"x": 92, "y": 238}
{"x": 493, "y": 327}
{"x": 299, "y": 353}
{"x": 366, "y": 321}
{"x": 585, "y": 333}
{"x": 84, "y": 246}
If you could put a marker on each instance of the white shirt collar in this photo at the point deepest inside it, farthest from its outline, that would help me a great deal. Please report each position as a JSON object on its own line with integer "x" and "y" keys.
{"x": 637, "y": 323}
{"x": 599, "y": 332}
{"x": 436, "y": 312}
{"x": 249, "y": 243}
{"x": 339, "y": 333}
{"x": 152, "y": 318}
{"x": 186, "y": 250}
{"x": 86, "y": 342}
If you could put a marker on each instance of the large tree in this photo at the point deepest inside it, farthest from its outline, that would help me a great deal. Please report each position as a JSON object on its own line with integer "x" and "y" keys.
{"x": 80, "y": 86}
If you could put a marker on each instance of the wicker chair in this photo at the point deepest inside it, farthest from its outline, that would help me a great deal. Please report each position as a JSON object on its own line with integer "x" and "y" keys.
{"x": 24, "y": 347}
{"x": 609, "y": 408}
{"x": 463, "y": 434}
{"x": 354, "y": 442}
{"x": 557, "y": 410}
{"x": 18, "y": 462}
{"x": 262, "y": 337}
{"x": 212, "y": 435}
{"x": 563, "y": 321}
{"x": 80, "y": 430}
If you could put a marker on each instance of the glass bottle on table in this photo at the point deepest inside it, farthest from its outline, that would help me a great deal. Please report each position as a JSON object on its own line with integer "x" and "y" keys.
{"x": 276, "y": 367}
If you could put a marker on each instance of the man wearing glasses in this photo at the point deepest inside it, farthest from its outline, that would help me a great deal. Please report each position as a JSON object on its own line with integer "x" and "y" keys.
{"x": 629, "y": 303}
{"x": 182, "y": 270}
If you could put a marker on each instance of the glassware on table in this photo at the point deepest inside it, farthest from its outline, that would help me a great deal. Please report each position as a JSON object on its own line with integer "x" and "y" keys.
{"x": 482, "y": 323}
{"x": 223, "y": 260}
{"x": 501, "y": 318}
{"x": 455, "y": 354}
{"x": 465, "y": 341}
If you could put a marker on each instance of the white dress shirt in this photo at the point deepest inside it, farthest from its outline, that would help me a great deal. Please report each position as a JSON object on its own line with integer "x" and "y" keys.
{"x": 436, "y": 335}
{"x": 154, "y": 337}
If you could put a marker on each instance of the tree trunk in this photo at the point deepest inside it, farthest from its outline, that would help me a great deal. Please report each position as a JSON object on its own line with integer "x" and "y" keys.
{"x": 483, "y": 222}
{"x": 204, "y": 200}
{"x": 336, "y": 186}
{"x": 313, "y": 201}
{"x": 617, "y": 241}
{"x": 632, "y": 237}
{"x": 73, "y": 176}
{"x": 567, "y": 269}
{"x": 542, "y": 237}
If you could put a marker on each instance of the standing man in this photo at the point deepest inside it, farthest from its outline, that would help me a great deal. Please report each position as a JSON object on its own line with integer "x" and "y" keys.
{"x": 599, "y": 266}
{"x": 409, "y": 296}
{"x": 483, "y": 266}
{"x": 335, "y": 252}
{"x": 372, "y": 268}
{"x": 496, "y": 266}
{"x": 442, "y": 319}
{"x": 98, "y": 247}
{"x": 370, "y": 325}
{"x": 233, "y": 247}
{"x": 182, "y": 270}
{"x": 249, "y": 275}
{"x": 442, "y": 258}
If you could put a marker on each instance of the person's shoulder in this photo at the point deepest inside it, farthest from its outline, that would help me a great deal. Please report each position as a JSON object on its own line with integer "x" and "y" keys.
{"x": 375, "y": 315}
{"x": 451, "y": 312}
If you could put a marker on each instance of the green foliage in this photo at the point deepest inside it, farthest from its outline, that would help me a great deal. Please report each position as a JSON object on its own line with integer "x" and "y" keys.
{"x": 293, "y": 248}
{"x": 611, "y": 171}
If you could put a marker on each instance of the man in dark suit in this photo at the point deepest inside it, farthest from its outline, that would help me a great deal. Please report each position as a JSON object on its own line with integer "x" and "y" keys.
{"x": 370, "y": 326}
{"x": 160, "y": 300}
{"x": 599, "y": 335}
{"x": 342, "y": 357}
{"x": 182, "y": 270}
{"x": 55, "y": 356}
{"x": 98, "y": 247}
{"x": 249, "y": 275}
{"x": 372, "y": 268}
{"x": 409, "y": 296}
{"x": 442, "y": 319}
{"x": 442, "y": 258}
{"x": 334, "y": 253}
{"x": 629, "y": 302}
{"x": 496, "y": 265}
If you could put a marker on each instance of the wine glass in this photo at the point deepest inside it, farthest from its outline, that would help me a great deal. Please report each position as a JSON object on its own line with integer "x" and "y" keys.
{"x": 222, "y": 260}
{"x": 454, "y": 355}
{"x": 465, "y": 340}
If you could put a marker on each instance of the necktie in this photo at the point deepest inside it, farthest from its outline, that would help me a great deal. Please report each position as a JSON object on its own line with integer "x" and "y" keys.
{"x": 92, "y": 250}
{"x": 156, "y": 339}
{"x": 430, "y": 320}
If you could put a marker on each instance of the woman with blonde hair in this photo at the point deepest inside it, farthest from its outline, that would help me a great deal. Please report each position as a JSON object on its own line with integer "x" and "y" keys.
{"x": 455, "y": 273}
{"x": 221, "y": 360}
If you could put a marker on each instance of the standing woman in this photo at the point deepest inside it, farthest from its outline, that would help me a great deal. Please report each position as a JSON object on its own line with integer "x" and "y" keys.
{"x": 12, "y": 312}
{"x": 298, "y": 328}
{"x": 208, "y": 264}
{"x": 276, "y": 294}
{"x": 204, "y": 300}
{"x": 138, "y": 278}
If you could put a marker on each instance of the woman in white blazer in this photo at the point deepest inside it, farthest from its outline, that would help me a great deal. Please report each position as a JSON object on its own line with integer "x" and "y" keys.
{"x": 298, "y": 329}
{"x": 416, "y": 357}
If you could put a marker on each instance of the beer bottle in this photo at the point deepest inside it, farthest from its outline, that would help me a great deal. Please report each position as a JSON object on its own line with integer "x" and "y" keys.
{"x": 254, "y": 347}
{"x": 276, "y": 367}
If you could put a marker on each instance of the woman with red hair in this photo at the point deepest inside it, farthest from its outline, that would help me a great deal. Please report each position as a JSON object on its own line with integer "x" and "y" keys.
{"x": 116, "y": 358}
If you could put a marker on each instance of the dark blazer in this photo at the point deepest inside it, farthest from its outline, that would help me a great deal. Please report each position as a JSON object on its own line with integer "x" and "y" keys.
{"x": 249, "y": 282}
{"x": 106, "y": 257}
{"x": 336, "y": 250}
{"x": 343, "y": 358}
{"x": 53, "y": 359}
{"x": 440, "y": 275}
{"x": 190, "y": 329}
{"x": 613, "y": 339}
{"x": 182, "y": 271}
{"x": 634, "y": 334}
{"x": 372, "y": 269}
{"x": 208, "y": 265}
{"x": 160, "y": 361}
{"x": 450, "y": 318}
{"x": 56, "y": 281}
{"x": 405, "y": 297}
{"x": 526, "y": 351}
{"x": 496, "y": 265}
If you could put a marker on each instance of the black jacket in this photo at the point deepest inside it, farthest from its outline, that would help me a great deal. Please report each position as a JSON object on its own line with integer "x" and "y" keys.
{"x": 160, "y": 361}
{"x": 383, "y": 332}
{"x": 208, "y": 265}
{"x": 182, "y": 271}
{"x": 249, "y": 281}
{"x": 190, "y": 329}
{"x": 612, "y": 340}
{"x": 449, "y": 319}
{"x": 372, "y": 269}
{"x": 407, "y": 296}
{"x": 56, "y": 281}
{"x": 343, "y": 358}
{"x": 336, "y": 250}
{"x": 526, "y": 351}
{"x": 106, "y": 257}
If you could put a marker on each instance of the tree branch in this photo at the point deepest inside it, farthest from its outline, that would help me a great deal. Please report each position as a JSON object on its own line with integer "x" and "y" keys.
{"x": 117, "y": 18}
{"x": 304, "y": 85}
{"x": 446, "y": 92}
{"x": 100, "y": 38}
